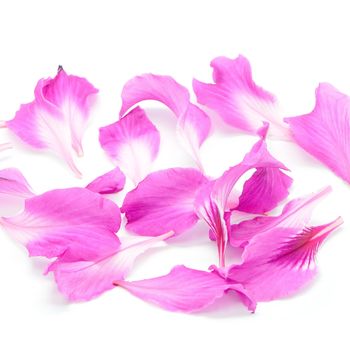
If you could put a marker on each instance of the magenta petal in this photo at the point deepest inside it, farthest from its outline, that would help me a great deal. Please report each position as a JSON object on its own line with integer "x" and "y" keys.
{"x": 111, "y": 182}
{"x": 279, "y": 262}
{"x": 163, "y": 202}
{"x": 325, "y": 132}
{"x": 13, "y": 183}
{"x": 238, "y": 100}
{"x": 84, "y": 280}
{"x": 133, "y": 142}
{"x": 193, "y": 124}
{"x": 184, "y": 289}
{"x": 75, "y": 222}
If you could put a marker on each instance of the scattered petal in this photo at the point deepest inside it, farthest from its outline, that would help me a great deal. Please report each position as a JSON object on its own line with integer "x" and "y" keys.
{"x": 111, "y": 182}
{"x": 13, "y": 183}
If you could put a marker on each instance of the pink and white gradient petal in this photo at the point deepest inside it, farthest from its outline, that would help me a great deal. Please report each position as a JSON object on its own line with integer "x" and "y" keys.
{"x": 108, "y": 183}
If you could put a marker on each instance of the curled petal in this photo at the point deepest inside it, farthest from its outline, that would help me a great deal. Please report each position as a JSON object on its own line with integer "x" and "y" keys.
{"x": 133, "y": 142}
{"x": 111, "y": 182}
{"x": 13, "y": 183}
{"x": 163, "y": 202}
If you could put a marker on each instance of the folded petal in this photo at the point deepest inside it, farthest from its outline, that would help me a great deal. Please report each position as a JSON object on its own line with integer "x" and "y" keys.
{"x": 75, "y": 222}
{"x": 238, "y": 100}
{"x": 277, "y": 263}
{"x": 13, "y": 183}
{"x": 111, "y": 182}
{"x": 325, "y": 132}
{"x": 193, "y": 124}
{"x": 84, "y": 280}
{"x": 57, "y": 118}
{"x": 133, "y": 142}
{"x": 184, "y": 289}
{"x": 163, "y": 202}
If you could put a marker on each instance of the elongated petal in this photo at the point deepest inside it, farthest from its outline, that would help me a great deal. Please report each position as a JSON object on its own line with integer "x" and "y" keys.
{"x": 111, "y": 182}
{"x": 238, "y": 100}
{"x": 295, "y": 215}
{"x": 133, "y": 142}
{"x": 163, "y": 202}
{"x": 325, "y": 132}
{"x": 193, "y": 124}
{"x": 184, "y": 289}
{"x": 13, "y": 183}
{"x": 279, "y": 262}
{"x": 76, "y": 223}
{"x": 84, "y": 280}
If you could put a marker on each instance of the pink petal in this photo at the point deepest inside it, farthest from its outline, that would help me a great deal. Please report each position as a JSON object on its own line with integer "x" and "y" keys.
{"x": 133, "y": 142}
{"x": 13, "y": 183}
{"x": 238, "y": 100}
{"x": 325, "y": 132}
{"x": 57, "y": 118}
{"x": 279, "y": 262}
{"x": 111, "y": 182}
{"x": 163, "y": 202}
{"x": 184, "y": 289}
{"x": 295, "y": 214}
{"x": 84, "y": 280}
{"x": 193, "y": 124}
{"x": 76, "y": 223}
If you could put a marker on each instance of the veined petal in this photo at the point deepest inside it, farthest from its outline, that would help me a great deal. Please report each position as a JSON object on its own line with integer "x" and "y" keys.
{"x": 133, "y": 142}
{"x": 193, "y": 124}
{"x": 84, "y": 280}
{"x": 13, "y": 183}
{"x": 325, "y": 132}
{"x": 163, "y": 202}
{"x": 75, "y": 222}
{"x": 111, "y": 182}
{"x": 238, "y": 100}
{"x": 280, "y": 261}
{"x": 184, "y": 289}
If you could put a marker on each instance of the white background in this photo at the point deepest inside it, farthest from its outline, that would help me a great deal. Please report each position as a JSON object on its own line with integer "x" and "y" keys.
{"x": 292, "y": 46}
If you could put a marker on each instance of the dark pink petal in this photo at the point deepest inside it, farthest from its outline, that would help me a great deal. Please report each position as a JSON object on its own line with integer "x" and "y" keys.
{"x": 295, "y": 215}
{"x": 163, "y": 202}
{"x": 184, "y": 289}
{"x": 133, "y": 142}
{"x": 75, "y": 222}
{"x": 237, "y": 99}
{"x": 84, "y": 280}
{"x": 57, "y": 118}
{"x": 325, "y": 132}
{"x": 111, "y": 182}
{"x": 277, "y": 263}
{"x": 13, "y": 183}
{"x": 193, "y": 124}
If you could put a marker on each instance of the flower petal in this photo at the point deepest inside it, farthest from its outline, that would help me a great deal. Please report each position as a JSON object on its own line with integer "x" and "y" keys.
{"x": 238, "y": 100}
{"x": 163, "y": 202}
{"x": 280, "y": 261}
{"x": 111, "y": 182}
{"x": 325, "y": 132}
{"x": 84, "y": 280}
{"x": 75, "y": 222}
{"x": 13, "y": 183}
{"x": 193, "y": 124}
{"x": 184, "y": 289}
{"x": 133, "y": 142}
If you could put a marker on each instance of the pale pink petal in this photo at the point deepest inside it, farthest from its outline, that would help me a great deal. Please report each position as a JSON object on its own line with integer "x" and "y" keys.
{"x": 163, "y": 202}
{"x": 111, "y": 182}
{"x": 193, "y": 124}
{"x": 75, "y": 222}
{"x": 238, "y": 100}
{"x": 295, "y": 215}
{"x": 325, "y": 132}
{"x": 13, "y": 183}
{"x": 133, "y": 142}
{"x": 184, "y": 289}
{"x": 84, "y": 280}
{"x": 279, "y": 262}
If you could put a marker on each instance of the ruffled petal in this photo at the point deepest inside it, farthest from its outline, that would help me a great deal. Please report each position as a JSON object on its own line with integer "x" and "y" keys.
{"x": 325, "y": 132}
{"x": 193, "y": 124}
{"x": 84, "y": 280}
{"x": 163, "y": 202}
{"x": 75, "y": 223}
{"x": 133, "y": 142}
{"x": 238, "y": 100}
{"x": 13, "y": 183}
{"x": 277, "y": 263}
{"x": 184, "y": 289}
{"x": 111, "y": 182}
